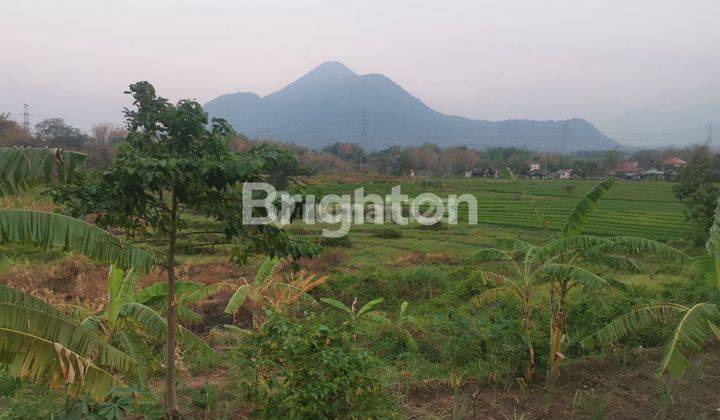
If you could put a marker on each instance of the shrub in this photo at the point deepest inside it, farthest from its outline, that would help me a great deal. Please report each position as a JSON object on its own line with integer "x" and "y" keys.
{"x": 418, "y": 283}
{"x": 343, "y": 241}
{"x": 387, "y": 233}
{"x": 325, "y": 262}
{"x": 439, "y": 225}
{"x": 310, "y": 370}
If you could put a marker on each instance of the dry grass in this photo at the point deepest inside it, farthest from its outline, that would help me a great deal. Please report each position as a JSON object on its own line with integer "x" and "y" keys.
{"x": 327, "y": 262}
{"x": 74, "y": 279}
{"x": 422, "y": 258}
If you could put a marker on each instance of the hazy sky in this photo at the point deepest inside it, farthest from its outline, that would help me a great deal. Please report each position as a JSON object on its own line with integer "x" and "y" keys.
{"x": 639, "y": 69}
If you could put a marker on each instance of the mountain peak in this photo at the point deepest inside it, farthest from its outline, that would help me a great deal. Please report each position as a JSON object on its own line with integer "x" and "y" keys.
{"x": 330, "y": 70}
{"x": 333, "y": 103}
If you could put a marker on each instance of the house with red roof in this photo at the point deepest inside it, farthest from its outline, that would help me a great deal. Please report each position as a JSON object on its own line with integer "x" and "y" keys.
{"x": 672, "y": 166}
{"x": 629, "y": 169}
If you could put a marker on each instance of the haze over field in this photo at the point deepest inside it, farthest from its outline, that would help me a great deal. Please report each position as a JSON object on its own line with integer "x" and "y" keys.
{"x": 644, "y": 72}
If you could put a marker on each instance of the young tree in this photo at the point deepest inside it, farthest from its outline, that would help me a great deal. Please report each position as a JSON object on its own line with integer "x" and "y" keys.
{"x": 696, "y": 188}
{"x": 172, "y": 164}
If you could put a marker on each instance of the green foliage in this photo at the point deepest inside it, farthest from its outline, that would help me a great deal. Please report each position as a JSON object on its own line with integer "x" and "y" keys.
{"x": 341, "y": 241}
{"x": 387, "y": 233}
{"x": 39, "y": 343}
{"x": 26, "y": 167}
{"x": 55, "y": 230}
{"x": 355, "y": 314}
{"x": 120, "y": 403}
{"x": 696, "y": 188}
{"x": 402, "y": 327}
{"x": 306, "y": 369}
{"x": 580, "y": 215}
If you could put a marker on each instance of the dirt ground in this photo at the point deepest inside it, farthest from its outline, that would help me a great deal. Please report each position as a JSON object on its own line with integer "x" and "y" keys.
{"x": 609, "y": 388}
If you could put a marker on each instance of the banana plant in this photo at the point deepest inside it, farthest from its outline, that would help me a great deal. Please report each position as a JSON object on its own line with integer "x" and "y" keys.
{"x": 573, "y": 258}
{"x": 355, "y": 314}
{"x": 130, "y": 324}
{"x": 37, "y": 341}
{"x": 41, "y": 343}
{"x": 271, "y": 288}
{"x": 187, "y": 293}
{"x": 401, "y": 326}
{"x": 695, "y": 324}
{"x": 22, "y": 168}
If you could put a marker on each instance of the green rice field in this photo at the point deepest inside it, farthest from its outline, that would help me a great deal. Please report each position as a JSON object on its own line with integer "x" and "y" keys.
{"x": 644, "y": 209}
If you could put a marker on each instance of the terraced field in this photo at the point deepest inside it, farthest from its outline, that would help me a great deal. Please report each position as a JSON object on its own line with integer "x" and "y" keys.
{"x": 645, "y": 209}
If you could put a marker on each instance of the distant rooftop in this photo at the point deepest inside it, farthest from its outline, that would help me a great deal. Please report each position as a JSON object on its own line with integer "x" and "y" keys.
{"x": 674, "y": 161}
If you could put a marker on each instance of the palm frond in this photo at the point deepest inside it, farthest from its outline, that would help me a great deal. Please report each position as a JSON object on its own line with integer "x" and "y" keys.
{"x": 132, "y": 344}
{"x": 491, "y": 255}
{"x": 188, "y": 316}
{"x": 158, "y": 291}
{"x": 55, "y": 230}
{"x": 579, "y": 216}
{"x": 492, "y": 278}
{"x": 238, "y": 299}
{"x": 493, "y": 295}
{"x": 23, "y": 168}
{"x": 39, "y": 360}
{"x": 149, "y": 320}
{"x": 572, "y": 244}
{"x": 513, "y": 244}
{"x": 579, "y": 275}
{"x": 368, "y": 306}
{"x": 692, "y": 331}
{"x": 189, "y": 341}
{"x": 618, "y": 263}
{"x": 70, "y": 335}
{"x": 156, "y": 326}
{"x": 266, "y": 269}
{"x": 120, "y": 288}
{"x": 633, "y": 246}
{"x": 631, "y": 323}
{"x": 20, "y": 298}
{"x": 205, "y": 292}
{"x": 336, "y": 304}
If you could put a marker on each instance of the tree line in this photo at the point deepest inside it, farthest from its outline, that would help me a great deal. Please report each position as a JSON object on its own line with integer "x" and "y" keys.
{"x": 344, "y": 157}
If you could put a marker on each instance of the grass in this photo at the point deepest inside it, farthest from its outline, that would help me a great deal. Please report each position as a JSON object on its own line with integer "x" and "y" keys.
{"x": 429, "y": 267}
{"x": 644, "y": 209}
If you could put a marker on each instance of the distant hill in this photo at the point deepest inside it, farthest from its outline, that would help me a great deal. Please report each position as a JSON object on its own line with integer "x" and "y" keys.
{"x": 332, "y": 103}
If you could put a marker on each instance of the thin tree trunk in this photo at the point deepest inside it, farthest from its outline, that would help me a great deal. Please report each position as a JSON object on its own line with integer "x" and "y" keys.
{"x": 172, "y": 410}
{"x": 557, "y": 328}
{"x": 530, "y": 368}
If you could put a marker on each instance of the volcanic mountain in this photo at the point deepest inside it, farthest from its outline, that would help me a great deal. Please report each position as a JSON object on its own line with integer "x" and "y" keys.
{"x": 332, "y": 103}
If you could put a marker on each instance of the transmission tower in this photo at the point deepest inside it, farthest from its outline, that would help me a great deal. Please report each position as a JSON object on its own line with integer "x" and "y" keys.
{"x": 364, "y": 128}
{"x": 26, "y": 118}
{"x": 564, "y": 136}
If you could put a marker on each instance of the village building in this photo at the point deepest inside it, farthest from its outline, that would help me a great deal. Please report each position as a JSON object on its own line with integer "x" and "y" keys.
{"x": 672, "y": 166}
{"x": 562, "y": 174}
{"x": 629, "y": 170}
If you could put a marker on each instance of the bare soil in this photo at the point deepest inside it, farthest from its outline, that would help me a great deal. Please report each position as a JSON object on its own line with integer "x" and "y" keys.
{"x": 612, "y": 388}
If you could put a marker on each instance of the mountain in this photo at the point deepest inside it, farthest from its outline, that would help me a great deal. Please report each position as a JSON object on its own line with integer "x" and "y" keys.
{"x": 332, "y": 103}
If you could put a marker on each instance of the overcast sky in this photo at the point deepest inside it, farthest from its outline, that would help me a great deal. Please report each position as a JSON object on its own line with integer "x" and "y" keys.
{"x": 639, "y": 69}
